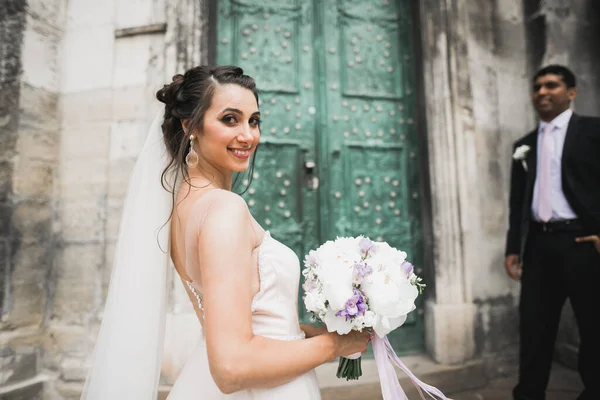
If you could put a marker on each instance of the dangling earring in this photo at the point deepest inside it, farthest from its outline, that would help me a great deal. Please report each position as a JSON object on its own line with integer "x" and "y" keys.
{"x": 192, "y": 157}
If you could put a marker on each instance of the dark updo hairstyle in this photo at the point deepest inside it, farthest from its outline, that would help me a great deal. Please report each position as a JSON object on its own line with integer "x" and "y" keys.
{"x": 188, "y": 96}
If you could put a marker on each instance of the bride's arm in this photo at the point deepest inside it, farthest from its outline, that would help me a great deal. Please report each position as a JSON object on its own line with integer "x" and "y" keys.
{"x": 312, "y": 330}
{"x": 237, "y": 358}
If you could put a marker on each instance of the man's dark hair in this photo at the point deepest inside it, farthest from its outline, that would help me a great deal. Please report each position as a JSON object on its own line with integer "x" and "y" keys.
{"x": 565, "y": 73}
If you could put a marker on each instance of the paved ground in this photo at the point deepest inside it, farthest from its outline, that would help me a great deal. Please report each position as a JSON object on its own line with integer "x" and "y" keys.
{"x": 564, "y": 385}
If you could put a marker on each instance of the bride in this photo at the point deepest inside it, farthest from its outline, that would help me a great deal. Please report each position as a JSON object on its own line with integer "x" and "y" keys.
{"x": 242, "y": 282}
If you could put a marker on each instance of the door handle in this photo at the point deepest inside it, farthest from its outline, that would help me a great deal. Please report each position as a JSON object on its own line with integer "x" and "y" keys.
{"x": 312, "y": 181}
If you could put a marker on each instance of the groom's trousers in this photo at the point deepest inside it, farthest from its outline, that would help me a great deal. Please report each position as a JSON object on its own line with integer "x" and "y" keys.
{"x": 555, "y": 268}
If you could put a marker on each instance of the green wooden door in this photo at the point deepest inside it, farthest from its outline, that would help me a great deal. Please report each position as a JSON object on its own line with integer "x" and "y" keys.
{"x": 338, "y": 145}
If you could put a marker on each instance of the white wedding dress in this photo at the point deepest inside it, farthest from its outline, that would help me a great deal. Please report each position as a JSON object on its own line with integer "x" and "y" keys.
{"x": 274, "y": 315}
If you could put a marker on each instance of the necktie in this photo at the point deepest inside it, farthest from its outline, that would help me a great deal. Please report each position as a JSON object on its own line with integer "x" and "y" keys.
{"x": 545, "y": 195}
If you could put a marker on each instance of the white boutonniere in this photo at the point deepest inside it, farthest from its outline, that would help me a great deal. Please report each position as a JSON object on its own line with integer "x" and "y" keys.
{"x": 520, "y": 154}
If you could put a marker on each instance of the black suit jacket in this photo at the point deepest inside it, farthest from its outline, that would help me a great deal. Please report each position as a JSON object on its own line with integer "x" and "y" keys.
{"x": 580, "y": 180}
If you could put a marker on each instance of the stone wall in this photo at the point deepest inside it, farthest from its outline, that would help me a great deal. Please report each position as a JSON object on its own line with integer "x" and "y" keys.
{"x": 77, "y": 83}
{"x": 30, "y": 35}
{"x": 476, "y": 91}
{"x": 500, "y": 81}
{"x": 115, "y": 56}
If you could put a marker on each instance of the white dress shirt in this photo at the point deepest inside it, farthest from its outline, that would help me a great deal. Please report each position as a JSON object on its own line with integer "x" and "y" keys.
{"x": 561, "y": 209}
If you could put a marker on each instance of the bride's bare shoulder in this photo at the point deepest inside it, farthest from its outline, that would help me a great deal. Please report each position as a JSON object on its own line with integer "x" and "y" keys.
{"x": 220, "y": 217}
{"x": 219, "y": 200}
{"x": 219, "y": 211}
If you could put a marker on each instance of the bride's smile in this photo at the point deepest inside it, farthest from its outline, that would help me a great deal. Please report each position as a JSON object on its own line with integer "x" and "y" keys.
{"x": 230, "y": 132}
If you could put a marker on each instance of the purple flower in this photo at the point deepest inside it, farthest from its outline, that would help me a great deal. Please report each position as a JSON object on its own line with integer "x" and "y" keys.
{"x": 354, "y": 306}
{"x": 361, "y": 270}
{"x": 366, "y": 245}
{"x": 408, "y": 268}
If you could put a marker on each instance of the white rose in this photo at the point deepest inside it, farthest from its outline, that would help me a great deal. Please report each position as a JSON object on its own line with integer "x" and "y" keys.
{"x": 385, "y": 256}
{"x": 335, "y": 274}
{"x": 390, "y": 295}
{"x": 342, "y": 250}
{"x": 336, "y": 324}
{"x": 349, "y": 248}
{"x": 358, "y": 323}
{"x": 314, "y": 301}
{"x": 369, "y": 319}
{"x": 521, "y": 152}
{"x": 337, "y": 286}
{"x": 384, "y": 325}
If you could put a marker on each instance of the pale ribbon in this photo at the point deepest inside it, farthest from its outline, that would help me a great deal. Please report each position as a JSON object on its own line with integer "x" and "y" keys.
{"x": 385, "y": 356}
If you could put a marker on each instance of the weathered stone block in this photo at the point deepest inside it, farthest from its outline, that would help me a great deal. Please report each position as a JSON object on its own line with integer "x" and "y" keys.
{"x": 127, "y": 138}
{"x": 66, "y": 391}
{"x": 129, "y": 14}
{"x": 83, "y": 110}
{"x": 86, "y": 67}
{"x": 65, "y": 339}
{"x": 496, "y": 324}
{"x": 132, "y": 55}
{"x": 34, "y": 179}
{"x": 4, "y": 273}
{"x": 30, "y": 264}
{"x": 53, "y": 12}
{"x": 8, "y": 135}
{"x": 119, "y": 172}
{"x": 83, "y": 13}
{"x": 32, "y": 221}
{"x": 39, "y": 143}
{"x": 516, "y": 116}
{"x": 510, "y": 11}
{"x": 77, "y": 282}
{"x": 71, "y": 369}
{"x": 40, "y": 54}
{"x": 130, "y": 102}
{"x": 73, "y": 191}
{"x": 16, "y": 367}
{"x": 6, "y": 212}
{"x": 82, "y": 221}
{"x": 82, "y": 143}
{"x": 12, "y": 26}
{"x": 449, "y": 334}
{"x": 38, "y": 110}
{"x": 6, "y": 173}
{"x": 34, "y": 391}
{"x": 83, "y": 169}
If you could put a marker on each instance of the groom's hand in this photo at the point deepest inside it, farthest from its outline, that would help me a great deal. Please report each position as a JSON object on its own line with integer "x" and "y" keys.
{"x": 513, "y": 266}
{"x": 594, "y": 239}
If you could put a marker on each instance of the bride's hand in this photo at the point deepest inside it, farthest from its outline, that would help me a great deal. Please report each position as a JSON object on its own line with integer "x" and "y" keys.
{"x": 312, "y": 331}
{"x": 351, "y": 343}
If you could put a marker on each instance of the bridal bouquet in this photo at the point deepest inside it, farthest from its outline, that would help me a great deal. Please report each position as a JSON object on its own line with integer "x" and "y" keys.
{"x": 353, "y": 283}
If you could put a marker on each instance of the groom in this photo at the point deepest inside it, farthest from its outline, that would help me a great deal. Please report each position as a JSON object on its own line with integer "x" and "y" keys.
{"x": 553, "y": 241}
